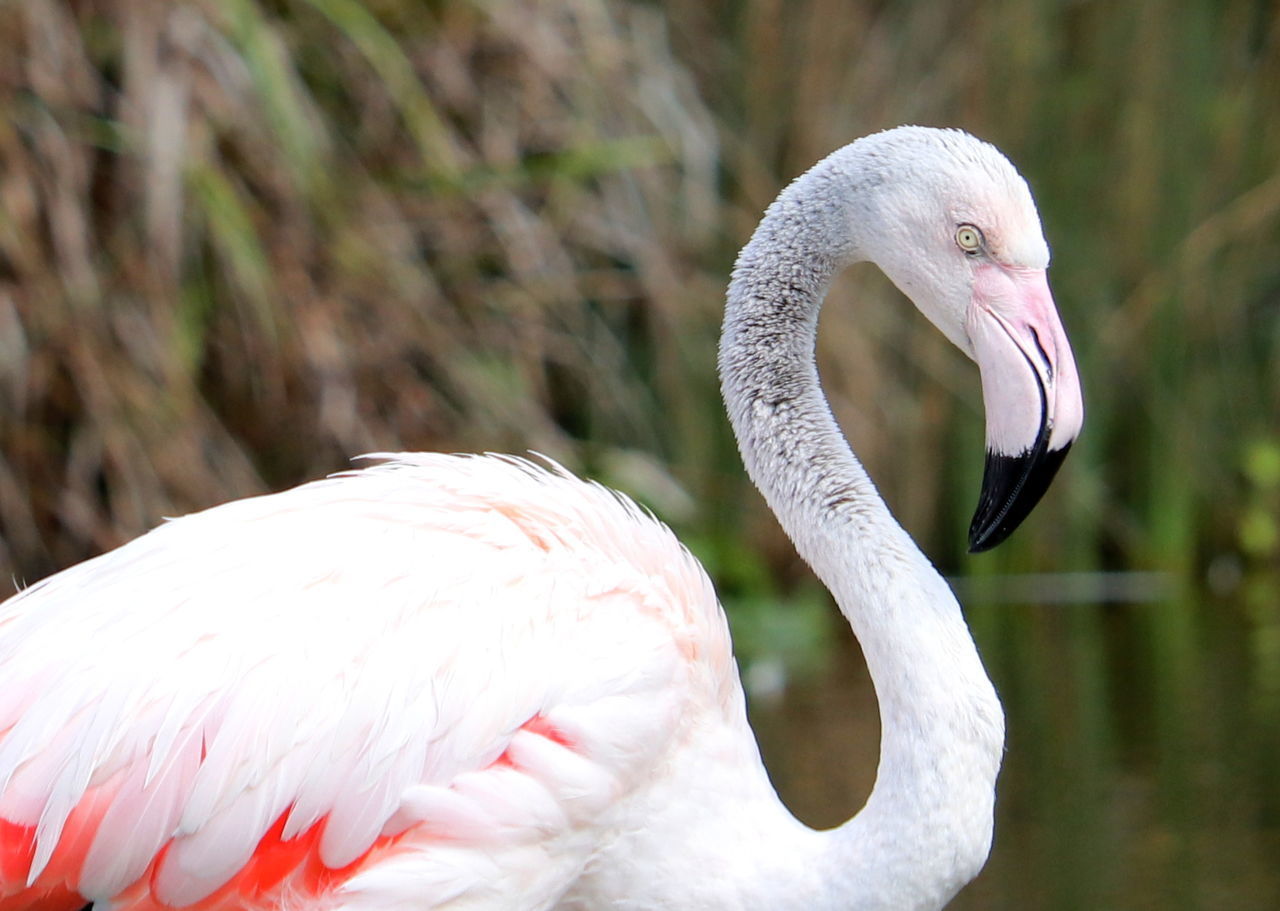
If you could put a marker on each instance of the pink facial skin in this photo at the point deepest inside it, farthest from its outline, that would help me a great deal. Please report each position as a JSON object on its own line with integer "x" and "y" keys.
{"x": 1031, "y": 391}
{"x": 1029, "y": 379}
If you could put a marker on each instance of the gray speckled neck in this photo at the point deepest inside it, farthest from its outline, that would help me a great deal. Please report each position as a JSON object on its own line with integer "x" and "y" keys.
{"x": 926, "y": 828}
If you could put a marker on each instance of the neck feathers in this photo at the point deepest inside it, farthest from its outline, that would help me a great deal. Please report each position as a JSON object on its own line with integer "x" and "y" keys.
{"x": 926, "y": 828}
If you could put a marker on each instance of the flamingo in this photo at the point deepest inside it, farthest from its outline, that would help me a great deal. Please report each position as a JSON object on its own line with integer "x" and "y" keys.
{"x": 476, "y": 682}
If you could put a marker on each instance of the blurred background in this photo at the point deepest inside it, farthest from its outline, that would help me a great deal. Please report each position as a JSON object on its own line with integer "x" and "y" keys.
{"x": 242, "y": 241}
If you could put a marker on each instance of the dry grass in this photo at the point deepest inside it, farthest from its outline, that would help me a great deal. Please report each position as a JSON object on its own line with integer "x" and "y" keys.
{"x": 243, "y": 241}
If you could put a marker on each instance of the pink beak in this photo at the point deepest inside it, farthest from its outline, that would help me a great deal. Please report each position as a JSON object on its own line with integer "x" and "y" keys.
{"x": 1031, "y": 391}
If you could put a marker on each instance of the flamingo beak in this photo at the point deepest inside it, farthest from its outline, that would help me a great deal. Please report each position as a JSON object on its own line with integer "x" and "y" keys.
{"x": 1031, "y": 392}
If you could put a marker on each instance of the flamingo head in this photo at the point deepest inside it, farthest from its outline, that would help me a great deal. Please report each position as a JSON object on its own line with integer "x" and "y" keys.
{"x": 954, "y": 226}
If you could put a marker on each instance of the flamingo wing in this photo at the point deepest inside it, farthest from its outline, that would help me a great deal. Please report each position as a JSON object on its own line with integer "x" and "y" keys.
{"x": 423, "y": 681}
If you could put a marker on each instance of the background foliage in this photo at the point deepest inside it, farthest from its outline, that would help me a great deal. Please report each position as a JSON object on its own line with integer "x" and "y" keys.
{"x": 242, "y": 241}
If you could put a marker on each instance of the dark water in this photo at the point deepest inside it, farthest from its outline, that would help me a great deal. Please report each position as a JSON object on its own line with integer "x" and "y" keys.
{"x": 1141, "y": 765}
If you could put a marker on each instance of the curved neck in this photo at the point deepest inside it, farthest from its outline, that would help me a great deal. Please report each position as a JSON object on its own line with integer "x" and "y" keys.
{"x": 926, "y": 827}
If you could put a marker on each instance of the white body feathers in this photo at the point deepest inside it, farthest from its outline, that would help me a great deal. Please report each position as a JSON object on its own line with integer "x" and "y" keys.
{"x": 378, "y": 673}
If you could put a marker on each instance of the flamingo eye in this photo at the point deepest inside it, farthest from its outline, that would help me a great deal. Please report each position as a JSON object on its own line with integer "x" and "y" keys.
{"x": 969, "y": 239}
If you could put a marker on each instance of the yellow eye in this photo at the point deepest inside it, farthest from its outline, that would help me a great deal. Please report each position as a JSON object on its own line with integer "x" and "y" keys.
{"x": 969, "y": 238}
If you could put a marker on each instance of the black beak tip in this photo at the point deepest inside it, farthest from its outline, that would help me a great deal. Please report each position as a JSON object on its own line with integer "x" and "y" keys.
{"x": 1011, "y": 487}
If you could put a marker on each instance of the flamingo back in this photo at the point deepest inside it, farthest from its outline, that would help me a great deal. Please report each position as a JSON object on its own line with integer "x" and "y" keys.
{"x": 423, "y": 682}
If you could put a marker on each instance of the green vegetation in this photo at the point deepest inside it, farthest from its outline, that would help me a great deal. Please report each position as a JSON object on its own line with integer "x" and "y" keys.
{"x": 241, "y": 242}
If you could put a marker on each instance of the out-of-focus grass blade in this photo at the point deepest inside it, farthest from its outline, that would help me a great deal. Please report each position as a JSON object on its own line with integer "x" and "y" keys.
{"x": 268, "y": 63}
{"x": 578, "y": 163}
{"x": 234, "y": 238}
{"x": 384, "y": 54}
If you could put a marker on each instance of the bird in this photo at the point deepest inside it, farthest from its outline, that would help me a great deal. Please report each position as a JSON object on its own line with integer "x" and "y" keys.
{"x": 450, "y": 681}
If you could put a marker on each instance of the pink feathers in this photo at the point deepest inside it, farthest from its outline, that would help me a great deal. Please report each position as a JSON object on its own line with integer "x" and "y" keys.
{"x": 379, "y": 683}
{"x": 276, "y": 866}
